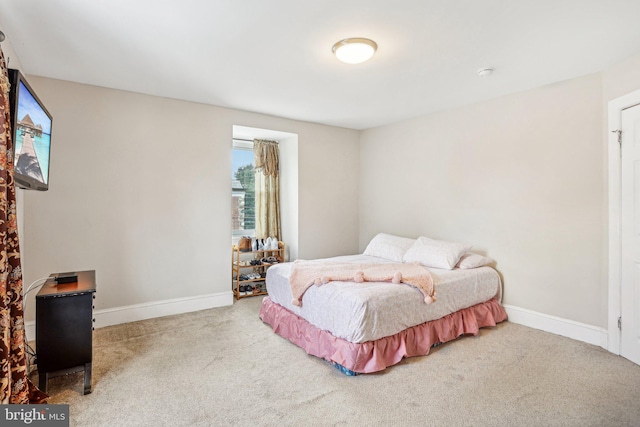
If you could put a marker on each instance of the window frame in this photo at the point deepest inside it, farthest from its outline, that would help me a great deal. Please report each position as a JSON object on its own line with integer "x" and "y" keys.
{"x": 244, "y": 145}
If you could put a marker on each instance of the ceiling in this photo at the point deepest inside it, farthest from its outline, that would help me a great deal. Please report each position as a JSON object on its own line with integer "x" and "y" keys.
{"x": 274, "y": 56}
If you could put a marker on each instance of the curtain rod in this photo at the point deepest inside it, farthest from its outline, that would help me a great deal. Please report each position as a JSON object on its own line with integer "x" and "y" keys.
{"x": 251, "y": 140}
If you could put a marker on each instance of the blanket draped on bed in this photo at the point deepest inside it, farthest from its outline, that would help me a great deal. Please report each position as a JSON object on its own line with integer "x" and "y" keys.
{"x": 307, "y": 273}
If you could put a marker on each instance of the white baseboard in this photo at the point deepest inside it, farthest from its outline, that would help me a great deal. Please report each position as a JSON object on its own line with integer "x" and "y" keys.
{"x": 150, "y": 310}
{"x": 557, "y": 325}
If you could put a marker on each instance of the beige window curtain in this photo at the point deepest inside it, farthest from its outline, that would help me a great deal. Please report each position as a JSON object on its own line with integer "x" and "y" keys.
{"x": 267, "y": 186}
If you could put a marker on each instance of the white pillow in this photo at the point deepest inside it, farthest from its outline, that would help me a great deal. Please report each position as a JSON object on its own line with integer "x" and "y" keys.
{"x": 471, "y": 260}
{"x": 388, "y": 247}
{"x": 436, "y": 253}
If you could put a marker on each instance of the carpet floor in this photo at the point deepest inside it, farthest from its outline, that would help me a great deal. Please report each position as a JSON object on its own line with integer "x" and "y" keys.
{"x": 224, "y": 367}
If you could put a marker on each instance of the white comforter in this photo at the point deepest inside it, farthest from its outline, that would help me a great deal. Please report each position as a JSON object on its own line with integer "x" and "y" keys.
{"x": 360, "y": 312}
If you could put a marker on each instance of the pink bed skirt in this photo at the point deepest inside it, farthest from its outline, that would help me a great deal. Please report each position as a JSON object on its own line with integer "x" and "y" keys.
{"x": 373, "y": 356}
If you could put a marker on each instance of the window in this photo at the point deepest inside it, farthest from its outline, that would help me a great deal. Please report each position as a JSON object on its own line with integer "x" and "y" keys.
{"x": 243, "y": 218}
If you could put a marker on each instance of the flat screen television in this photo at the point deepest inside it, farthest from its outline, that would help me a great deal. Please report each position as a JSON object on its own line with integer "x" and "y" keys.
{"x": 31, "y": 127}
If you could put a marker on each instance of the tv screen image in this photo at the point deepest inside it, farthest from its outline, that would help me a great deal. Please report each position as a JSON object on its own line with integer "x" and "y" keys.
{"x": 32, "y": 135}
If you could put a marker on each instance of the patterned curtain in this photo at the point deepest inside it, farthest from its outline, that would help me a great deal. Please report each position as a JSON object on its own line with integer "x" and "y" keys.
{"x": 267, "y": 188}
{"x": 15, "y": 386}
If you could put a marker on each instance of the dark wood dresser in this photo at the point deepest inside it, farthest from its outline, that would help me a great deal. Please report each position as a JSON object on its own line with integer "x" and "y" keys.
{"x": 64, "y": 328}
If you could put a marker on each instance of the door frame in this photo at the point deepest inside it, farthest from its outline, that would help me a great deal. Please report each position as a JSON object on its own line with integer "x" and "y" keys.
{"x": 615, "y": 215}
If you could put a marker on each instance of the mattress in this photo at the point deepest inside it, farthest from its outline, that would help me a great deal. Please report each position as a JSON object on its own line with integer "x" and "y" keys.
{"x": 362, "y": 312}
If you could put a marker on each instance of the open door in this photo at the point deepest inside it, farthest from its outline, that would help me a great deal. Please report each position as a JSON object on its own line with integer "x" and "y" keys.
{"x": 630, "y": 235}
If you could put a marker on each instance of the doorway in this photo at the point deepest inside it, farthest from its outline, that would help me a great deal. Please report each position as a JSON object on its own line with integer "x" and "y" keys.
{"x": 624, "y": 226}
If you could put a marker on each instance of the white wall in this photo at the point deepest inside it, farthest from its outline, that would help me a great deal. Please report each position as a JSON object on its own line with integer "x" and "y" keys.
{"x": 140, "y": 191}
{"x": 621, "y": 78}
{"x": 10, "y": 55}
{"x": 519, "y": 177}
{"x": 289, "y": 191}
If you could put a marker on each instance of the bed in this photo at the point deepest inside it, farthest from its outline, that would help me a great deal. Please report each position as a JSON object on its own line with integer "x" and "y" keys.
{"x": 367, "y": 326}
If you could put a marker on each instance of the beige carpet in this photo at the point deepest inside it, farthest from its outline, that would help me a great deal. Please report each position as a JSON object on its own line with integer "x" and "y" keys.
{"x": 224, "y": 367}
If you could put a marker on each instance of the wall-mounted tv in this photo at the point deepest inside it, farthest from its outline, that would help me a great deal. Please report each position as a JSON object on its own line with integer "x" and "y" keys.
{"x": 31, "y": 127}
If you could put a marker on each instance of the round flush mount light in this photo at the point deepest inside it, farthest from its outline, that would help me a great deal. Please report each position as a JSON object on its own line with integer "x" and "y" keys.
{"x": 354, "y": 50}
{"x": 485, "y": 72}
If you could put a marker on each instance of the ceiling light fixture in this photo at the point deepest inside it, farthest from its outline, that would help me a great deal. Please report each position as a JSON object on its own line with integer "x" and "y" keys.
{"x": 354, "y": 50}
